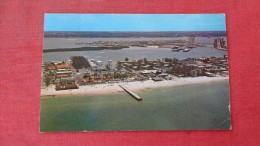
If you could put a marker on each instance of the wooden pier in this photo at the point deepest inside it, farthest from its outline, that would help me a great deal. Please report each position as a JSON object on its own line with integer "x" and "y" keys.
{"x": 131, "y": 92}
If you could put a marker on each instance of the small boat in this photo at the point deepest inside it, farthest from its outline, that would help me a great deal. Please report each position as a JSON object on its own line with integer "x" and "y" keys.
{"x": 186, "y": 50}
{"x": 176, "y": 49}
{"x": 153, "y": 46}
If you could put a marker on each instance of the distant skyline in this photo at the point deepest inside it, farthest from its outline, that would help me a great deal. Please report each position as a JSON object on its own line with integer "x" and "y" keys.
{"x": 134, "y": 22}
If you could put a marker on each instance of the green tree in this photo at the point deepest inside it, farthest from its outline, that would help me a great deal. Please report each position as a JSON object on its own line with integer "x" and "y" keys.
{"x": 47, "y": 81}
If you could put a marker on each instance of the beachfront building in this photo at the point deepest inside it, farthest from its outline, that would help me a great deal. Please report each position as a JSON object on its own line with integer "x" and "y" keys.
{"x": 190, "y": 67}
{"x": 79, "y": 71}
{"x": 66, "y": 84}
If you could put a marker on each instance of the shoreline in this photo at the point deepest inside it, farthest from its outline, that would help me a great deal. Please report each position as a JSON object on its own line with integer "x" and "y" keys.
{"x": 222, "y": 49}
{"x": 84, "y": 49}
{"x": 113, "y": 88}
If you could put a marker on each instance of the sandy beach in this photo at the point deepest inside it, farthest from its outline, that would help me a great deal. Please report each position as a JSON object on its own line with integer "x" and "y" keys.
{"x": 136, "y": 85}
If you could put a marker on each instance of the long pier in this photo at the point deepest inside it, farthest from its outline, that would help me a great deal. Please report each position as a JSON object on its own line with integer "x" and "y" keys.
{"x": 130, "y": 92}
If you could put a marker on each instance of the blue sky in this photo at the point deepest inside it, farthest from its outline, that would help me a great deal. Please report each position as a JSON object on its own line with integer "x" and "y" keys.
{"x": 134, "y": 22}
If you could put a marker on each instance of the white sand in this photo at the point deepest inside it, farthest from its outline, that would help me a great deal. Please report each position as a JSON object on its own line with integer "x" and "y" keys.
{"x": 137, "y": 85}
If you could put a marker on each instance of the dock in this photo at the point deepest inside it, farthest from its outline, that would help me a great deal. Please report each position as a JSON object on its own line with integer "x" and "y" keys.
{"x": 131, "y": 92}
